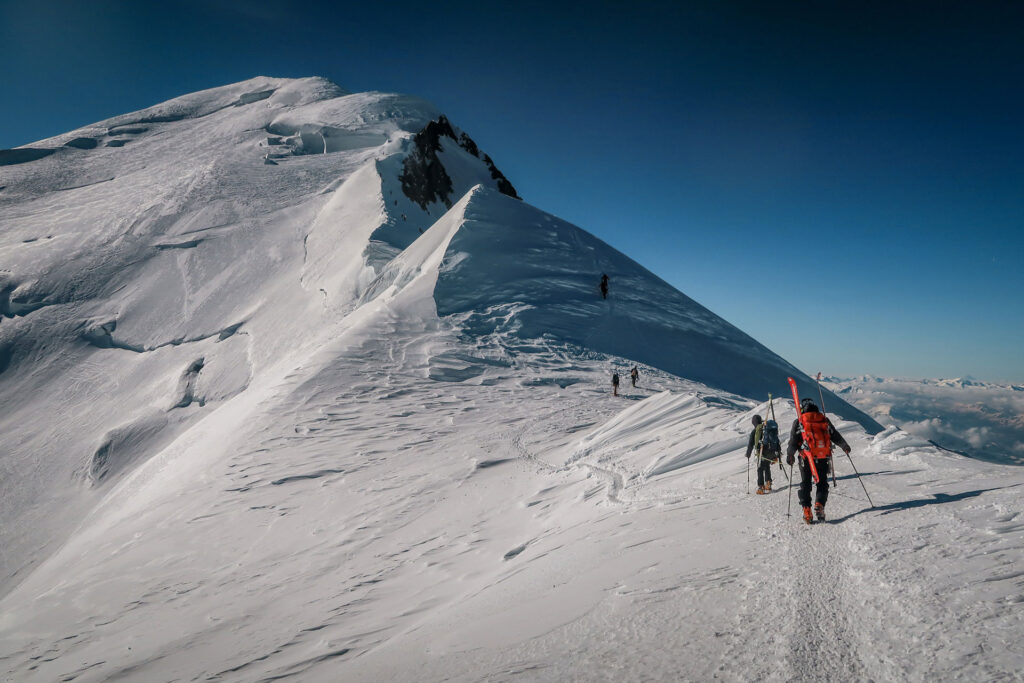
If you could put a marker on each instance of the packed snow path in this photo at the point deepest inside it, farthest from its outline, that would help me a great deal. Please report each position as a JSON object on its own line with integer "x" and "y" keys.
{"x": 385, "y": 527}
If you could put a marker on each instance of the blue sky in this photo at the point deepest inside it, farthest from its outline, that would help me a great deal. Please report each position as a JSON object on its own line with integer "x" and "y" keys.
{"x": 842, "y": 180}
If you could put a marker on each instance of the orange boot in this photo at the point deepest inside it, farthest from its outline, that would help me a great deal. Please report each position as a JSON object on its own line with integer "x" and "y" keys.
{"x": 807, "y": 515}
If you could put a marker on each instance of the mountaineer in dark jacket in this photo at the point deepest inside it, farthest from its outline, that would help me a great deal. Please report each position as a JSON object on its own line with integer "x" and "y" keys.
{"x": 818, "y": 446}
{"x": 764, "y": 460}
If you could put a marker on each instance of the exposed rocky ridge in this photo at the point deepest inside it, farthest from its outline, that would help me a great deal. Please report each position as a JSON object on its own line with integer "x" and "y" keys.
{"x": 424, "y": 179}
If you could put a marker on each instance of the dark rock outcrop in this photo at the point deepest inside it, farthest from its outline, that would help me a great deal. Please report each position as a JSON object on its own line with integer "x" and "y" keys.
{"x": 424, "y": 179}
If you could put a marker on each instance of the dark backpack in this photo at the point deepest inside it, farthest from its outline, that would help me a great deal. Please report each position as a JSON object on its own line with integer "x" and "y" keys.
{"x": 771, "y": 447}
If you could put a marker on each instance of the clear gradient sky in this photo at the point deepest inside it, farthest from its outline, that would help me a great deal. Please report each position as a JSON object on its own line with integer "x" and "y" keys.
{"x": 842, "y": 180}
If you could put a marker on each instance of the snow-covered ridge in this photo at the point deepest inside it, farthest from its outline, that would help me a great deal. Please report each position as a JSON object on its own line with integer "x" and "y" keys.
{"x": 540, "y": 279}
{"x": 229, "y": 231}
{"x": 292, "y": 385}
{"x": 155, "y": 273}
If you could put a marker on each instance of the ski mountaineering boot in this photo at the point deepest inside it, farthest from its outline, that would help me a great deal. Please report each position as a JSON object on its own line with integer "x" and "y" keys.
{"x": 807, "y": 515}
{"x": 819, "y": 511}
{"x": 767, "y": 487}
{"x": 761, "y": 490}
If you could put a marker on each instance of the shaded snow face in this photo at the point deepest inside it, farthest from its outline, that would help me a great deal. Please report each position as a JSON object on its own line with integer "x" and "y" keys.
{"x": 512, "y": 269}
{"x": 978, "y": 419}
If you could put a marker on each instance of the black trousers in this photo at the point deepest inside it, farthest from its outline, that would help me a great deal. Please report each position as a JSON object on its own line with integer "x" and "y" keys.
{"x": 807, "y": 479}
{"x": 764, "y": 472}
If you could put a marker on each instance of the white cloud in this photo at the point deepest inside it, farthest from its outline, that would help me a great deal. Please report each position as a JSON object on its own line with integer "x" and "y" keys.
{"x": 927, "y": 429}
{"x": 980, "y": 419}
{"x": 977, "y": 436}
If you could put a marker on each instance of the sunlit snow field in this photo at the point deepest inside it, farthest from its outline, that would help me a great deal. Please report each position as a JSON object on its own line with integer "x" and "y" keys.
{"x": 281, "y": 402}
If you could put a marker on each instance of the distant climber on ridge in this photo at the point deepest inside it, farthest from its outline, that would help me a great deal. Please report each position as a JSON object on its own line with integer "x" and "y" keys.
{"x": 604, "y": 286}
{"x": 634, "y": 375}
{"x": 816, "y": 444}
{"x": 615, "y": 384}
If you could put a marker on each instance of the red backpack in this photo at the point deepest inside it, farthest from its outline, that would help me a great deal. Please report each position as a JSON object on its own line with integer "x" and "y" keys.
{"x": 817, "y": 442}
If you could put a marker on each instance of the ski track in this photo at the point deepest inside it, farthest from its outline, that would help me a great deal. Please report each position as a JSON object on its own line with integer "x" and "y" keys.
{"x": 834, "y": 602}
{"x": 820, "y": 636}
{"x": 793, "y": 624}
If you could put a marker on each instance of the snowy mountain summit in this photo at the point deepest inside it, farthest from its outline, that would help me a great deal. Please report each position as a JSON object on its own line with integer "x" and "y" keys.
{"x": 295, "y": 384}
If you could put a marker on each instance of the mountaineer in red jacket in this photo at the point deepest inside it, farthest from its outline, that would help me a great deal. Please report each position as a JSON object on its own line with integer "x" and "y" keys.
{"x": 817, "y": 444}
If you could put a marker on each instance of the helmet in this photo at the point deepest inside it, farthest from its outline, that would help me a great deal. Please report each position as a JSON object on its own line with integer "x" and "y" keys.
{"x": 756, "y": 420}
{"x": 808, "y": 405}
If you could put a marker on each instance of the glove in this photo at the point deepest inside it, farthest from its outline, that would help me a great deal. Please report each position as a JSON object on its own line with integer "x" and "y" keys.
{"x": 846, "y": 450}
{"x": 790, "y": 460}
{"x": 748, "y": 456}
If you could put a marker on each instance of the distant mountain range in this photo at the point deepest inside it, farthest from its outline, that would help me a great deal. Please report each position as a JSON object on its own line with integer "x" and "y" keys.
{"x": 980, "y": 419}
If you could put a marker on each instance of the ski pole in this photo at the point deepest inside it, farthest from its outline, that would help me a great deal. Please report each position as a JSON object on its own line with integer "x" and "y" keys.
{"x": 821, "y": 396}
{"x": 781, "y": 466}
{"x": 760, "y": 446}
{"x": 860, "y": 480}
{"x": 789, "y": 505}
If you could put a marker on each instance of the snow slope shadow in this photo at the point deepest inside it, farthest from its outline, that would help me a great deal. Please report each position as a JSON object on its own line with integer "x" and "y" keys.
{"x": 936, "y": 499}
{"x": 507, "y": 253}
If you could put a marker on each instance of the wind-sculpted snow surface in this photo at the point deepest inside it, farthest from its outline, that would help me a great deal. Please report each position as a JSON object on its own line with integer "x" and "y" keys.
{"x": 269, "y": 414}
{"x": 377, "y": 526}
